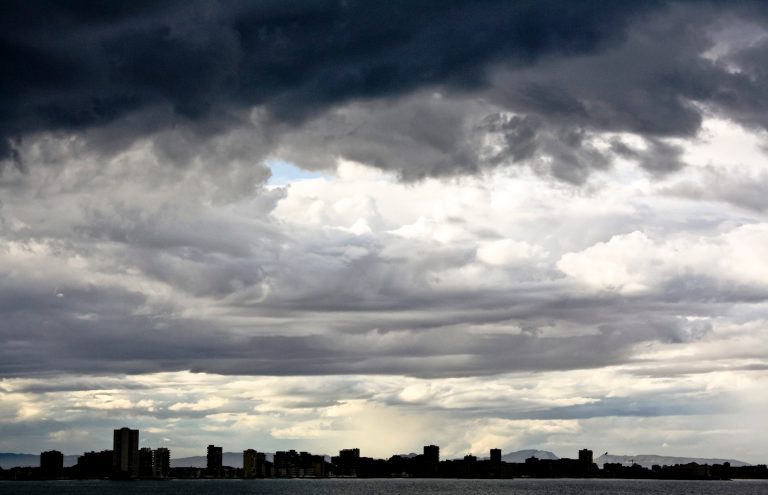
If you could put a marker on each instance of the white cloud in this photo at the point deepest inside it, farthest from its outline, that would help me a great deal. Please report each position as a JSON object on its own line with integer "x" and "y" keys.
{"x": 200, "y": 405}
{"x": 634, "y": 263}
{"x": 505, "y": 252}
{"x": 623, "y": 264}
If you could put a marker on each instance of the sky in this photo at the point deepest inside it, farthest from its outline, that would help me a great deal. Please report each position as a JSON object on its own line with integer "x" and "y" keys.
{"x": 334, "y": 224}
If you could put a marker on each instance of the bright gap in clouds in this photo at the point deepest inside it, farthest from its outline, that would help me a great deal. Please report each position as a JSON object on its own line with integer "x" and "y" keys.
{"x": 284, "y": 173}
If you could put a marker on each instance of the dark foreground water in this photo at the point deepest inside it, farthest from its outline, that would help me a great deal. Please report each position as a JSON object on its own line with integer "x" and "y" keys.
{"x": 386, "y": 487}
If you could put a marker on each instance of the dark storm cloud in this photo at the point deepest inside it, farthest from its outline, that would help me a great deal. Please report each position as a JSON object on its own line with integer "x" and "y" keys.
{"x": 574, "y": 66}
{"x": 78, "y": 64}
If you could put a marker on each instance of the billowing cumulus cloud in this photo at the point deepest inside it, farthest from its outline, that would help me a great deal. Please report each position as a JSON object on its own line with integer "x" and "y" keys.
{"x": 324, "y": 225}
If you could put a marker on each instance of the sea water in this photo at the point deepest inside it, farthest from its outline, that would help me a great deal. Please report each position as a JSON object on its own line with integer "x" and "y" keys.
{"x": 388, "y": 487}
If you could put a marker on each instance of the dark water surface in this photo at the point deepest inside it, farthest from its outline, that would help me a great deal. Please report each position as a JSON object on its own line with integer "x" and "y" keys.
{"x": 387, "y": 487}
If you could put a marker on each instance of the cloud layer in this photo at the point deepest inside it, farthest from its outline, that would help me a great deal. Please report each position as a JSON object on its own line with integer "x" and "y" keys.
{"x": 528, "y": 223}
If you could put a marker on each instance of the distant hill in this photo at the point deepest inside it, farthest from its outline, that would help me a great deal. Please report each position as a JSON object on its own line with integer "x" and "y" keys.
{"x": 648, "y": 460}
{"x": 408, "y": 456}
{"x": 522, "y": 455}
{"x": 9, "y": 460}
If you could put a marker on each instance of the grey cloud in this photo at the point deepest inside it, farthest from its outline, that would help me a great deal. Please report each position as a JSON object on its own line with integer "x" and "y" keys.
{"x": 659, "y": 157}
{"x": 219, "y": 169}
{"x": 89, "y": 331}
{"x": 43, "y": 432}
{"x": 167, "y": 229}
{"x": 563, "y": 152}
{"x": 84, "y": 383}
{"x": 78, "y": 65}
{"x": 739, "y": 189}
{"x": 198, "y": 254}
{"x": 642, "y": 405}
{"x": 418, "y": 136}
{"x": 558, "y": 104}
{"x": 376, "y": 313}
{"x": 649, "y": 84}
{"x": 323, "y": 75}
{"x": 519, "y": 136}
{"x": 684, "y": 368}
{"x": 745, "y": 97}
{"x": 621, "y": 88}
{"x": 697, "y": 289}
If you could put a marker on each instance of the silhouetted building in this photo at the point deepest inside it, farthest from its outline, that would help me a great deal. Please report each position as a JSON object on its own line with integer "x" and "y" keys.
{"x": 432, "y": 453}
{"x": 95, "y": 464}
{"x": 145, "y": 463}
{"x": 161, "y": 462}
{"x": 494, "y": 466}
{"x": 287, "y": 464}
{"x": 263, "y": 467}
{"x": 469, "y": 466}
{"x": 51, "y": 464}
{"x": 125, "y": 453}
{"x": 249, "y": 463}
{"x": 292, "y": 464}
{"x": 315, "y": 465}
{"x": 349, "y": 453}
{"x": 346, "y": 463}
{"x": 759, "y": 471}
{"x": 214, "y": 460}
{"x": 431, "y": 460}
{"x": 255, "y": 465}
{"x": 585, "y": 461}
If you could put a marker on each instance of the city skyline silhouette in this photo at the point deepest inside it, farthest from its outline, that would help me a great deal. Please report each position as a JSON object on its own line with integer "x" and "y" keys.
{"x": 127, "y": 461}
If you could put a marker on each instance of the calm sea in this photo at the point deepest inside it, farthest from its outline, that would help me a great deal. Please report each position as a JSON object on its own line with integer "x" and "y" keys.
{"x": 387, "y": 487}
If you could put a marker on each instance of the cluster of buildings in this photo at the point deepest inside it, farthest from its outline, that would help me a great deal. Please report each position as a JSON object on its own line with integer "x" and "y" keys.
{"x": 429, "y": 465}
{"x": 127, "y": 461}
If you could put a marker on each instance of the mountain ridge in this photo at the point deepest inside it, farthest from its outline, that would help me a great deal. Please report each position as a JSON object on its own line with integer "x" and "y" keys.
{"x": 521, "y": 455}
{"x": 10, "y": 460}
{"x": 648, "y": 460}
